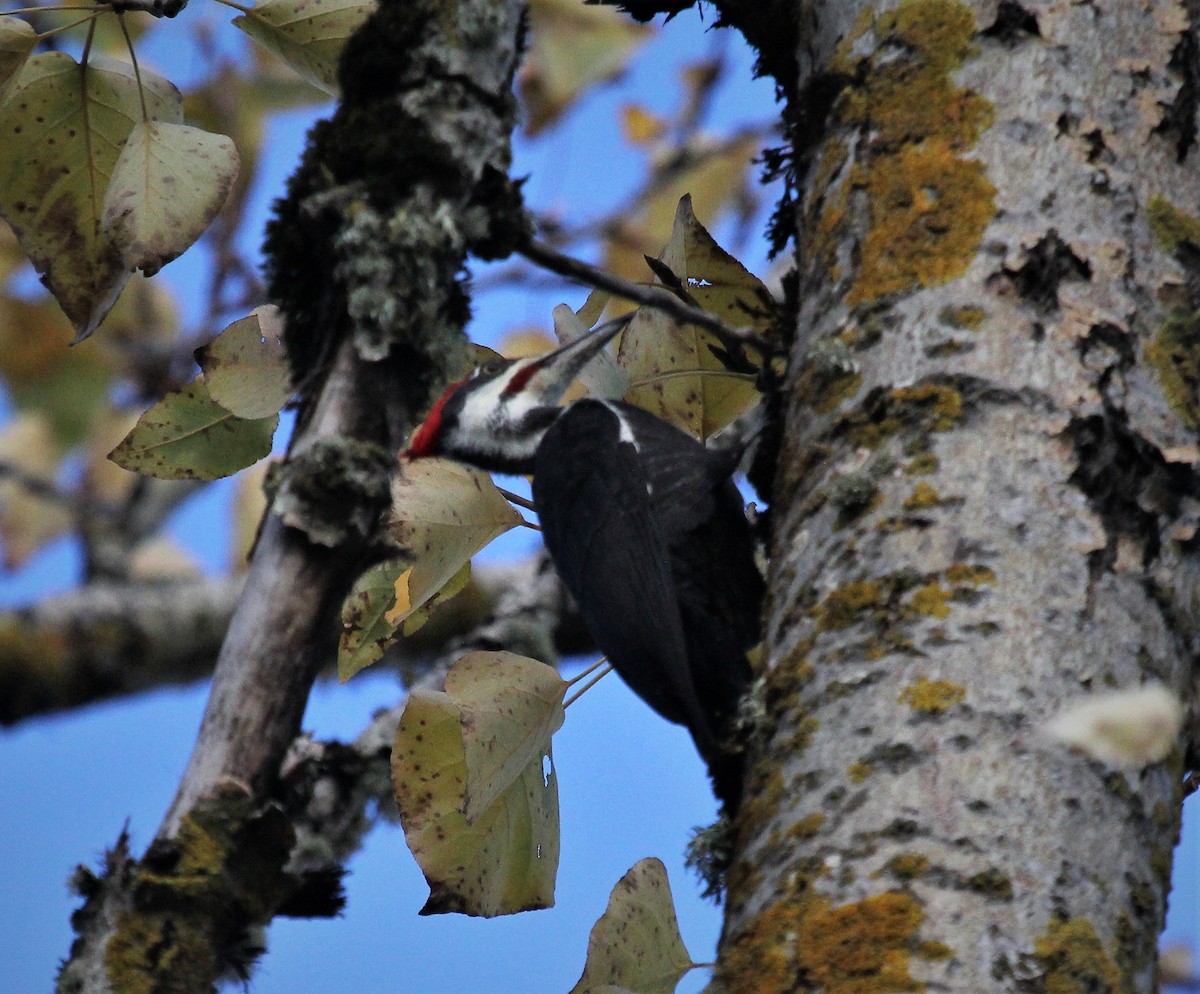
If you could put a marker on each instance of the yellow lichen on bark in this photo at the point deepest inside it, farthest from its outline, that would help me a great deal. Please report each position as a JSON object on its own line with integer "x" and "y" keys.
{"x": 932, "y": 601}
{"x": 1175, "y": 355}
{"x": 933, "y": 696}
{"x": 806, "y": 943}
{"x": 859, "y": 948}
{"x": 843, "y": 607}
{"x": 923, "y": 496}
{"x": 929, "y": 204}
{"x": 1075, "y": 961}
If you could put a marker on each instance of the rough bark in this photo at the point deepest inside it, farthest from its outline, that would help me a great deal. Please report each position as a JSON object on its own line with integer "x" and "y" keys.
{"x": 985, "y": 508}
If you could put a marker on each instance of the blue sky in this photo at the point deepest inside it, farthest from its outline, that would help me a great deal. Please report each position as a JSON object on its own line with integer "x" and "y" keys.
{"x": 631, "y": 785}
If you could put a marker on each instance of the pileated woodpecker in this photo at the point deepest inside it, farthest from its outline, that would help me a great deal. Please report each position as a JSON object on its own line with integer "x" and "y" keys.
{"x": 644, "y": 524}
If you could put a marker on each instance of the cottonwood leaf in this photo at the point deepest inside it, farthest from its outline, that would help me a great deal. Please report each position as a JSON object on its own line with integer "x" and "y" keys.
{"x": 506, "y": 858}
{"x": 713, "y": 175}
{"x": 511, "y": 706}
{"x": 307, "y": 34}
{"x": 64, "y": 127}
{"x": 17, "y": 40}
{"x": 414, "y": 619}
{"x": 601, "y": 376}
{"x": 380, "y": 595}
{"x": 683, "y": 373}
{"x": 189, "y": 436}
{"x": 572, "y": 47}
{"x": 246, "y": 368}
{"x": 168, "y": 183}
{"x": 366, "y": 633}
{"x": 27, "y": 520}
{"x": 442, "y": 514}
{"x": 636, "y": 944}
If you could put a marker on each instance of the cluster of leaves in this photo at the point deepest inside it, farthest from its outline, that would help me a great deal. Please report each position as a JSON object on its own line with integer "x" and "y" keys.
{"x": 109, "y": 180}
{"x": 478, "y": 798}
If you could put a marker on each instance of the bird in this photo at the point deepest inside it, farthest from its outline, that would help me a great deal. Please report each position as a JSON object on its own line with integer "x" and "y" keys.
{"x": 643, "y": 523}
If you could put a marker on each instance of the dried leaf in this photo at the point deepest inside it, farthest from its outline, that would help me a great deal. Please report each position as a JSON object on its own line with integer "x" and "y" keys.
{"x": 640, "y": 126}
{"x": 189, "y": 436}
{"x": 168, "y": 184}
{"x": 505, "y": 859}
{"x": 27, "y": 521}
{"x": 64, "y": 127}
{"x": 715, "y": 176}
{"x": 246, "y": 368}
{"x": 308, "y": 35}
{"x": 443, "y": 513}
{"x": 572, "y": 48}
{"x": 636, "y": 944}
{"x": 678, "y": 371}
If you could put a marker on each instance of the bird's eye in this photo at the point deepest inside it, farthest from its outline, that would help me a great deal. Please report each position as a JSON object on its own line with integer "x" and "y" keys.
{"x": 491, "y": 367}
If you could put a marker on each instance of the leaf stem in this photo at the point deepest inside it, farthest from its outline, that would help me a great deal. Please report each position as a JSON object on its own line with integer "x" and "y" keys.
{"x": 56, "y": 7}
{"x": 73, "y": 24}
{"x": 517, "y": 499}
{"x": 235, "y": 6}
{"x": 607, "y": 669}
{"x": 137, "y": 72}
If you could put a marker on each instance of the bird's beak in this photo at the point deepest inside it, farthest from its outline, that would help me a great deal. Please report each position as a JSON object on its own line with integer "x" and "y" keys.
{"x": 555, "y": 371}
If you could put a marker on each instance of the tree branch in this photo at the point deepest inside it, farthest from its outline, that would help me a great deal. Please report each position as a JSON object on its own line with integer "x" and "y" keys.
{"x": 108, "y": 639}
{"x": 649, "y": 296}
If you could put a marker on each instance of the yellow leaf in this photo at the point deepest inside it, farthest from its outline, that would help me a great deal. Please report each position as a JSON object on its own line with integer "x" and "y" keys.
{"x": 572, "y": 47}
{"x": 246, "y": 368}
{"x": 467, "y": 741}
{"x": 442, "y": 514}
{"x": 640, "y": 126}
{"x": 635, "y": 944}
{"x": 168, "y": 184}
{"x": 308, "y": 35}
{"x": 678, "y": 371}
{"x": 64, "y": 127}
{"x": 403, "y": 605}
{"x": 715, "y": 176}
{"x": 27, "y": 521}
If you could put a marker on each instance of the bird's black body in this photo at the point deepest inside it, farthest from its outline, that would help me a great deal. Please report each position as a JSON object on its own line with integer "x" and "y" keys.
{"x": 649, "y": 535}
{"x": 646, "y": 529}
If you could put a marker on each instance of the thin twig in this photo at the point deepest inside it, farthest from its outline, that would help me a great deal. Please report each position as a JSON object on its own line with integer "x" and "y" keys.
{"x": 587, "y": 686}
{"x": 37, "y": 486}
{"x": 649, "y": 296}
{"x": 517, "y": 499}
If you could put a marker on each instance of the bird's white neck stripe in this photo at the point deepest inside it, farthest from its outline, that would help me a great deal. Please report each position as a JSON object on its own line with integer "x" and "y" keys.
{"x": 624, "y": 432}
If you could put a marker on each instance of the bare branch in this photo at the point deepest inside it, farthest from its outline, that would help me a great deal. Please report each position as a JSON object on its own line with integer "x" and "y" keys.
{"x": 108, "y": 639}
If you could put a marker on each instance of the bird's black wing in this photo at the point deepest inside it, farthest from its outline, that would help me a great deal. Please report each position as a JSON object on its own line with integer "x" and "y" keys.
{"x": 599, "y": 523}
{"x": 717, "y": 583}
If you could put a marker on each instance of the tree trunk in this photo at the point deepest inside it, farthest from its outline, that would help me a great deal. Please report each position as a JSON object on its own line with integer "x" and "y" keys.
{"x": 984, "y": 509}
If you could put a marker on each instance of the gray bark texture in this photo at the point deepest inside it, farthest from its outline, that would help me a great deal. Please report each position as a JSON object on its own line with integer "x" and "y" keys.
{"x": 985, "y": 504}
